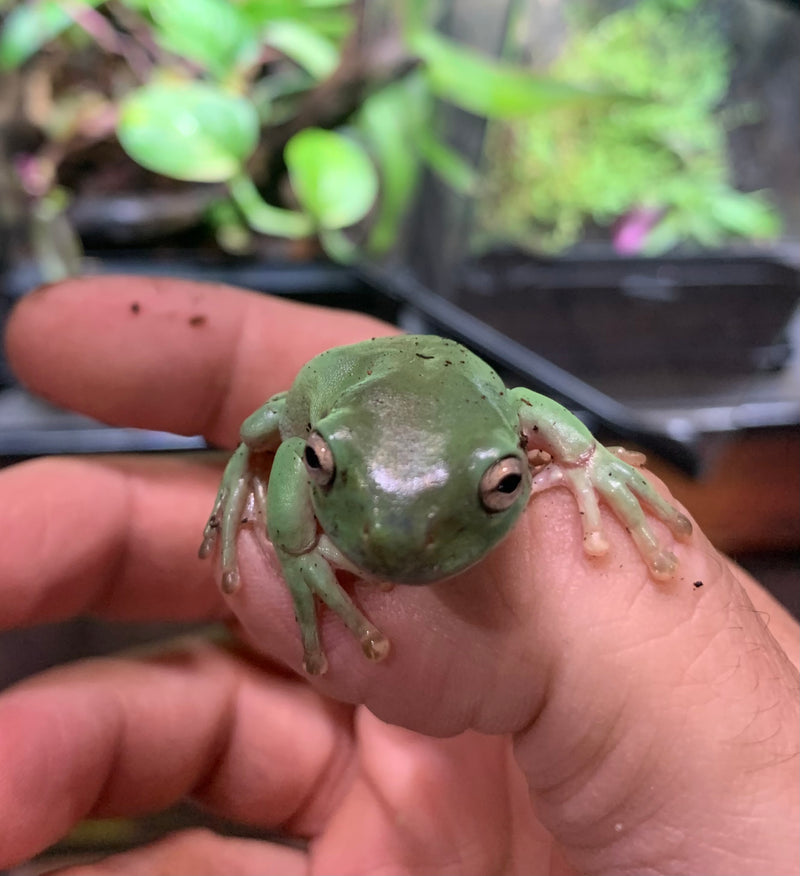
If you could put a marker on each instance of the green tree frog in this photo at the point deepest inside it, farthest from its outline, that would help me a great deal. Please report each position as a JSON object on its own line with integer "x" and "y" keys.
{"x": 405, "y": 460}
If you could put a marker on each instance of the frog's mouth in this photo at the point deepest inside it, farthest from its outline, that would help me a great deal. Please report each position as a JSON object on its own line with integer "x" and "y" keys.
{"x": 394, "y": 553}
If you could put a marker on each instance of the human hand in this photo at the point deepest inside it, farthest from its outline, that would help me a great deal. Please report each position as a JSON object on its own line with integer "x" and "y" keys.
{"x": 598, "y": 721}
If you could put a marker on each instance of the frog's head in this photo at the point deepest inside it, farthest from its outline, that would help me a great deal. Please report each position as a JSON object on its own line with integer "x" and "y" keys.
{"x": 416, "y": 503}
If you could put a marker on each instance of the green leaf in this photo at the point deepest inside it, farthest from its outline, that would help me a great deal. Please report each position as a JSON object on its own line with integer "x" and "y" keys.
{"x": 307, "y": 48}
{"x": 329, "y": 18}
{"x": 28, "y": 27}
{"x": 490, "y": 88}
{"x": 190, "y": 131}
{"x": 332, "y": 177}
{"x": 746, "y": 215}
{"x": 212, "y": 33}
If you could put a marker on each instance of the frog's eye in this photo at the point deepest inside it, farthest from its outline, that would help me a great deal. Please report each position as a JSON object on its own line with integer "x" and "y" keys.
{"x": 501, "y": 484}
{"x": 319, "y": 460}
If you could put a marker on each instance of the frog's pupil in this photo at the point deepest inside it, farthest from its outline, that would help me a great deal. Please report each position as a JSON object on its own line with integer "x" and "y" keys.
{"x": 311, "y": 458}
{"x": 509, "y": 483}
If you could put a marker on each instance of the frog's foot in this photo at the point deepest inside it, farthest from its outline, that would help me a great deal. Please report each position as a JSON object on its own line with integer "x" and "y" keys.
{"x": 311, "y": 575}
{"x": 240, "y": 489}
{"x": 610, "y": 475}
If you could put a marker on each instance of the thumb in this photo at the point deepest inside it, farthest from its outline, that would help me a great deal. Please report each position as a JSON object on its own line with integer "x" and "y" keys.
{"x": 656, "y": 722}
{"x": 668, "y": 739}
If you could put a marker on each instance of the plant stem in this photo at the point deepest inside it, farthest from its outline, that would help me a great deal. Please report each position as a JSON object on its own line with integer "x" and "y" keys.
{"x": 264, "y": 217}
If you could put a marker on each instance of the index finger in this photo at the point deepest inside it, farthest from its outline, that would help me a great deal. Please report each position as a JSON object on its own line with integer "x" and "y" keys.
{"x": 169, "y": 354}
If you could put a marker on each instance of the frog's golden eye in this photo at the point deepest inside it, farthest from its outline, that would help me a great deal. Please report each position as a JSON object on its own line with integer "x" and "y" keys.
{"x": 319, "y": 460}
{"x": 501, "y": 484}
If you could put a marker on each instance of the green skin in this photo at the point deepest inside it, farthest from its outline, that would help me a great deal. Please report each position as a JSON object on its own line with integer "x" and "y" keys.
{"x": 406, "y": 460}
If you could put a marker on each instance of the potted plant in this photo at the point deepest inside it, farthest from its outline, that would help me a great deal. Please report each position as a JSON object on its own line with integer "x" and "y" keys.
{"x": 295, "y": 121}
{"x": 618, "y": 230}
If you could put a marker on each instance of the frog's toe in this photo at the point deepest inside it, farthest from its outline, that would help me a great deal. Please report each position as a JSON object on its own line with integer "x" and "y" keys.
{"x": 206, "y": 547}
{"x": 374, "y": 644}
{"x": 230, "y": 582}
{"x": 315, "y": 663}
{"x": 595, "y": 544}
{"x": 632, "y": 457}
{"x": 663, "y": 565}
{"x": 681, "y": 526}
{"x": 210, "y": 534}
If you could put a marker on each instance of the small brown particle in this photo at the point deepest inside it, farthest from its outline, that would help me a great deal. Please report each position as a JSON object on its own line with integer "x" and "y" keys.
{"x": 198, "y": 320}
{"x": 697, "y": 584}
{"x": 136, "y": 307}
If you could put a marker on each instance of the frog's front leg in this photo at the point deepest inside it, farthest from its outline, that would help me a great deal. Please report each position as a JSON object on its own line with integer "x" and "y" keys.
{"x": 243, "y": 485}
{"x": 589, "y": 469}
{"x": 307, "y": 560}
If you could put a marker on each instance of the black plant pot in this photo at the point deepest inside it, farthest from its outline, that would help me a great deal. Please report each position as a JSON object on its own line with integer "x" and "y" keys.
{"x": 720, "y": 313}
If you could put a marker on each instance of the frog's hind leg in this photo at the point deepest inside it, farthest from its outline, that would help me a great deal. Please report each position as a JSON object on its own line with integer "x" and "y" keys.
{"x": 309, "y": 576}
{"x": 305, "y": 611}
{"x": 323, "y": 581}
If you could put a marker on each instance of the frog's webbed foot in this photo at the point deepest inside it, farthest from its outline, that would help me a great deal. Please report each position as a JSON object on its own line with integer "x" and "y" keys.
{"x": 610, "y": 473}
{"x": 241, "y": 496}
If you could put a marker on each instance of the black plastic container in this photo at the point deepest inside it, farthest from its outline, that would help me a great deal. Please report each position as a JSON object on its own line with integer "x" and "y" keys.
{"x": 718, "y": 313}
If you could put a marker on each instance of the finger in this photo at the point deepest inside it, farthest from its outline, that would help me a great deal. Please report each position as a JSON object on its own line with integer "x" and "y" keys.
{"x": 643, "y": 710}
{"x": 133, "y": 735}
{"x": 185, "y": 357}
{"x": 112, "y": 536}
{"x": 123, "y": 736}
{"x": 199, "y": 852}
{"x": 699, "y": 717}
{"x": 421, "y": 805}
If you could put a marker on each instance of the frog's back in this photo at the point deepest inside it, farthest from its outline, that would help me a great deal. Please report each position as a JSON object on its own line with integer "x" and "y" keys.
{"x": 423, "y": 370}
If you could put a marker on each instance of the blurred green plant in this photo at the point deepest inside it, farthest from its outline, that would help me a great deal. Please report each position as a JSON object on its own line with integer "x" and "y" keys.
{"x": 310, "y": 127}
{"x": 654, "y": 169}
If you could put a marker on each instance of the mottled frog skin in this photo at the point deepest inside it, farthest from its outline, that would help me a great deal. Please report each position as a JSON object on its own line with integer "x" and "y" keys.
{"x": 406, "y": 460}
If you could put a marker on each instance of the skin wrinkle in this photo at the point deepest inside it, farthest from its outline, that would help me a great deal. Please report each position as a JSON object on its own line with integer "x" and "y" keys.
{"x": 637, "y": 782}
{"x": 528, "y": 846}
{"x": 186, "y": 658}
{"x": 586, "y": 759}
{"x": 331, "y": 783}
{"x": 100, "y": 807}
{"x": 506, "y": 862}
{"x": 108, "y": 584}
{"x": 377, "y": 798}
{"x": 220, "y": 745}
{"x": 506, "y": 859}
{"x": 38, "y": 609}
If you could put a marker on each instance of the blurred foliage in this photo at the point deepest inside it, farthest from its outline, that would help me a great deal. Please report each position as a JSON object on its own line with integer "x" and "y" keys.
{"x": 234, "y": 92}
{"x": 655, "y": 167}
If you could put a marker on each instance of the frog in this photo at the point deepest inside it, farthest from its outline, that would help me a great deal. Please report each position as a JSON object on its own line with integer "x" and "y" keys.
{"x": 405, "y": 460}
